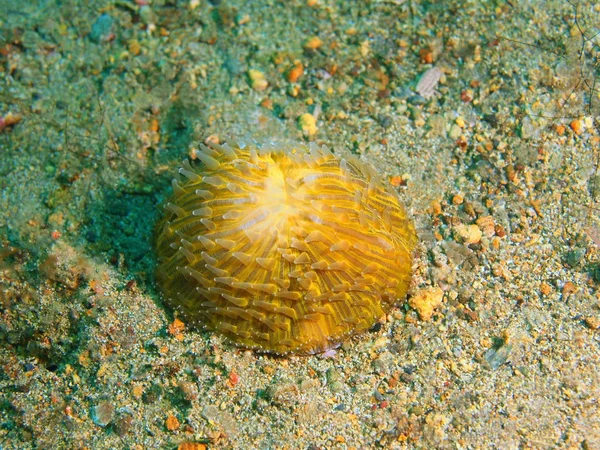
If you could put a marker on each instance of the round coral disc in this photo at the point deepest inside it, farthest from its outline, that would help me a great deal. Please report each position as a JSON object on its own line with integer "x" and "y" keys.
{"x": 283, "y": 249}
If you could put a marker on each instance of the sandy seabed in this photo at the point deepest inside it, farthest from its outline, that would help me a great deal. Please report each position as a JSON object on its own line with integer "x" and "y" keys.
{"x": 483, "y": 115}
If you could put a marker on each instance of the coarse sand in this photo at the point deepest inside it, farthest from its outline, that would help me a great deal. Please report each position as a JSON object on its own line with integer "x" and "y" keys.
{"x": 482, "y": 114}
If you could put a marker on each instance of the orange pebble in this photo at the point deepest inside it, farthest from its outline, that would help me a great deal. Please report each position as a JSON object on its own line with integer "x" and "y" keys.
{"x": 234, "y": 378}
{"x": 154, "y": 125}
{"x": 426, "y": 56}
{"x": 546, "y": 289}
{"x": 396, "y": 180}
{"x": 176, "y": 327}
{"x": 172, "y": 423}
{"x": 569, "y": 288}
{"x": 9, "y": 120}
{"x": 192, "y": 446}
{"x": 313, "y": 43}
{"x": 267, "y": 103}
{"x": 577, "y": 126}
{"x": 295, "y": 73}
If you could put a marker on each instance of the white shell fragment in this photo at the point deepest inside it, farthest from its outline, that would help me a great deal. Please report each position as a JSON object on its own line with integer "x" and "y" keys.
{"x": 428, "y": 82}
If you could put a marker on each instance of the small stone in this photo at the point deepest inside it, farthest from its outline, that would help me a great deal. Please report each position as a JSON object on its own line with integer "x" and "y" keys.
{"x": 593, "y": 323}
{"x": 295, "y": 73}
{"x": 574, "y": 257}
{"x": 176, "y": 328}
{"x": 332, "y": 375}
{"x": 577, "y": 126}
{"x": 426, "y": 56}
{"x": 308, "y": 124}
{"x": 137, "y": 391}
{"x": 333, "y": 378}
{"x": 469, "y": 234}
{"x": 466, "y": 96}
{"x": 496, "y": 356}
{"x": 437, "y": 125}
{"x": 9, "y": 120}
{"x": 258, "y": 81}
{"x": 172, "y": 423}
{"x": 527, "y": 128}
{"x": 313, "y": 43}
{"x": 382, "y": 363}
{"x": 102, "y": 29}
{"x": 103, "y": 413}
{"x": 569, "y": 288}
{"x": 455, "y": 131}
{"x": 192, "y": 446}
{"x": 148, "y": 15}
{"x": 457, "y": 199}
{"x": 234, "y": 378}
{"x": 487, "y": 226}
{"x": 242, "y": 19}
{"x": 500, "y": 231}
{"x": 416, "y": 410}
{"x": 594, "y": 187}
{"x": 425, "y": 301}
{"x": 428, "y": 82}
{"x": 134, "y": 47}
{"x": 546, "y": 289}
{"x": 188, "y": 389}
{"x": 123, "y": 425}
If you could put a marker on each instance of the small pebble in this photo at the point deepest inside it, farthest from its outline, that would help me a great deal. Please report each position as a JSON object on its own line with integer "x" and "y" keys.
{"x": 313, "y": 43}
{"x": 189, "y": 390}
{"x": 258, "y": 81}
{"x": 497, "y": 356}
{"x": 546, "y": 289}
{"x": 457, "y": 199}
{"x": 308, "y": 124}
{"x": 192, "y": 446}
{"x": 9, "y": 120}
{"x": 592, "y": 322}
{"x": 577, "y": 126}
{"x": 469, "y": 234}
{"x": 103, "y": 413}
{"x": 487, "y": 226}
{"x": 102, "y": 29}
{"x": 428, "y": 82}
{"x": 527, "y": 128}
{"x": 574, "y": 257}
{"x": 172, "y": 423}
{"x": 295, "y": 73}
{"x": 425, "y": 301}
{"x": 123, "y": 425}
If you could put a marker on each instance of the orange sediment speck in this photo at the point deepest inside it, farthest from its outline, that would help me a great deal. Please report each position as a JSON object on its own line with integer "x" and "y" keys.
{"x": 176, "y": 327}
{"x": 396, "y": 180}
{"x": 313, "y": 43}
{"x": 285, "y": 248}
{"x": 295, "y": 73}
{"x": 172, "y": 423}
{"x": 234, "y": 378}
{"x": 192, "y": 446}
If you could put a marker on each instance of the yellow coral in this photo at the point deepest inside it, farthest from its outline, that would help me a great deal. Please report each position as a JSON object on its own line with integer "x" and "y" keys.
{"x": 283, "y": 249}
